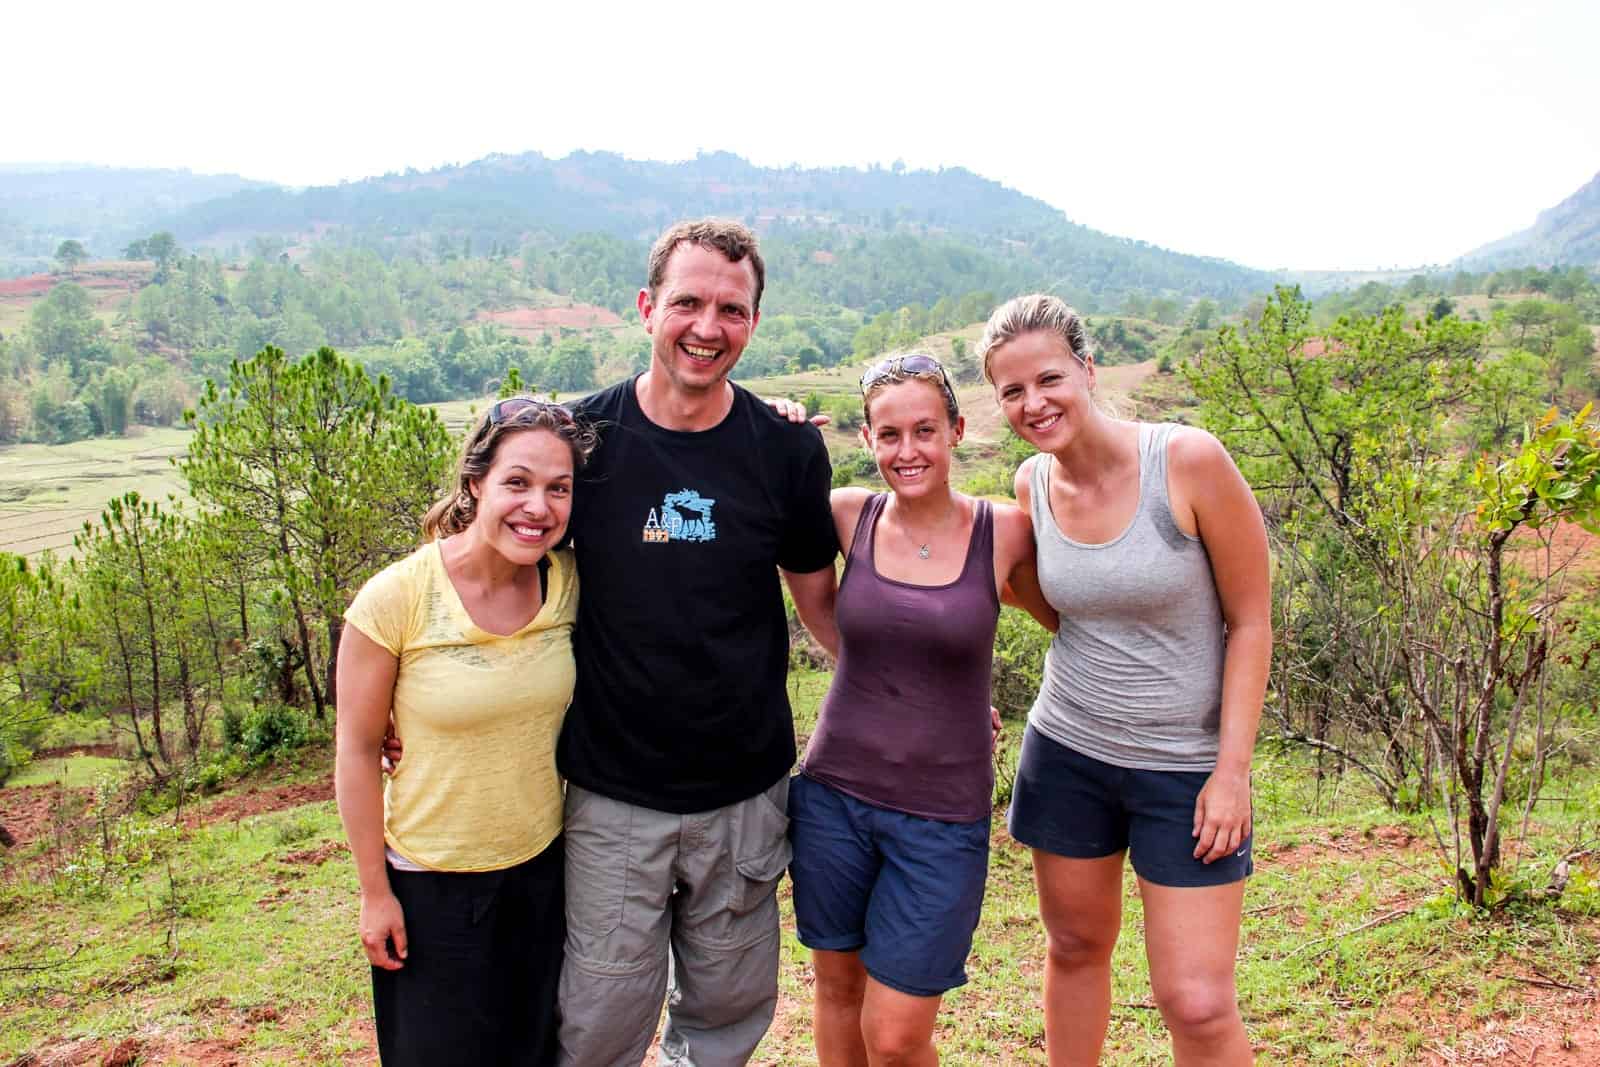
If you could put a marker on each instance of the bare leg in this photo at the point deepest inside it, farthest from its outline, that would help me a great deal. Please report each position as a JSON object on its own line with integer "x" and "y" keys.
{"x": 1192, "y": 936}
{"x": 898, "y": 1027}
{"x": 836, "y": 1020}
{"x": 1080, "y": 902}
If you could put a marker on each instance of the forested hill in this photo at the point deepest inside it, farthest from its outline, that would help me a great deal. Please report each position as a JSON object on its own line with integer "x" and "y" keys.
{"x": 103, "y": 207}
{"x": 1565, "y": 235}
{"x": 959, "y": 222}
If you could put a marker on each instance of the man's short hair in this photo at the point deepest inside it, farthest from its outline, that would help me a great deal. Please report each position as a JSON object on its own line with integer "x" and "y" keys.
{"x": 732, "y": 239}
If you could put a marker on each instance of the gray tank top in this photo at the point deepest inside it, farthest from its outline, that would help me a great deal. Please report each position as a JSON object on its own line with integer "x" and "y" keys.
{"x": 1134, "y": 675}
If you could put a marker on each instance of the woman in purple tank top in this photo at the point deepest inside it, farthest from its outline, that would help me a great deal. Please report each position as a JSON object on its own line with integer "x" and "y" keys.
{"x": 1153, "y": 550}
{"x": 889, "y": 816}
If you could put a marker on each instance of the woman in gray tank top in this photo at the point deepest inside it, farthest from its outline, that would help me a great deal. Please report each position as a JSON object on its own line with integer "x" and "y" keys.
{"x": 889, "y": 816}
{"x": 1152, "y": 549}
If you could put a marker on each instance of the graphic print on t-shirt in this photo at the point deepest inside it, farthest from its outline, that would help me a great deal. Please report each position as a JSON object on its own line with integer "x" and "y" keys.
{"x": 684, "y": 516}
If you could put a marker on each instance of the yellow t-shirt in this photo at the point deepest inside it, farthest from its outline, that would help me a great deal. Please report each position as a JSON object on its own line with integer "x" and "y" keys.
{"x": 479, "y": 713}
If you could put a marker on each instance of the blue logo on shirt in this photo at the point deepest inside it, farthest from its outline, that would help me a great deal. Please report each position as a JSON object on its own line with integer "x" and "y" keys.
{"x": 685, "y": 516}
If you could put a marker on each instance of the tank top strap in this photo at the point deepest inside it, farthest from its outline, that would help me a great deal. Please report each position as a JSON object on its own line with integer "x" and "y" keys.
{"x": 1155, "y": 503}
{"x": 983, "y": 542}
{"x": 1153, "y": 438}
{"x": 1039, "y": 504}
{"x": 861, "y": 545}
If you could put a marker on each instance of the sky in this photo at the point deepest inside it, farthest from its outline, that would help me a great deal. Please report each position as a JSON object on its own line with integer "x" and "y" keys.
{"x": 1357, "y": 135}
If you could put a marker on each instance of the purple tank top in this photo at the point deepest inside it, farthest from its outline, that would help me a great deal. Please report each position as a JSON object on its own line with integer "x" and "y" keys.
{"x": 905, "y": 725}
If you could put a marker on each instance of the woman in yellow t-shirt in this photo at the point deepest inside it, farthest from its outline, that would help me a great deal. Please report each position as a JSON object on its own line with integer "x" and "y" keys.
{"x": 467, "y": 643}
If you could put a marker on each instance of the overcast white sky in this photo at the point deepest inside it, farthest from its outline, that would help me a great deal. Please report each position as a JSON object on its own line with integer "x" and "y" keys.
{"x": 1360, "y": 134}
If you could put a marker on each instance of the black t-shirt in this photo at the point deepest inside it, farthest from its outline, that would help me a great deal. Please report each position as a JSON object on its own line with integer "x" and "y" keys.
{"x": 681, "y": 642}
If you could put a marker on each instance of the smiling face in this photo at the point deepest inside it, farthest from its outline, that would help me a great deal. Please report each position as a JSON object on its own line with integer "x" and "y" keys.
{"x": 1042, "y": 388}
{"x": 699, "y": 318}
{"x": 525, "y": 498}
{"x": 911, "y": 436}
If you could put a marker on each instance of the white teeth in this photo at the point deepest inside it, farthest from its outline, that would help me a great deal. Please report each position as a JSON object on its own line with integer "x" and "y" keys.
{"x": 700, "y": 353}
{"x": 1046, "y": 423}
{"x": 528, "y": 531}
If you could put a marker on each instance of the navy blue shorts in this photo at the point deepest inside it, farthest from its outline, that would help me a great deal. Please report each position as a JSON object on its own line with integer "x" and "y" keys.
{"x": 1073, "y": 805}
{"x": 904, "y": 891}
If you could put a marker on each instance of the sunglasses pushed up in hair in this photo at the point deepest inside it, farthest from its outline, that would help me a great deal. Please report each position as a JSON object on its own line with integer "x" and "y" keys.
{"x": 916, "y": 363}
{"x": 512, "y": 406}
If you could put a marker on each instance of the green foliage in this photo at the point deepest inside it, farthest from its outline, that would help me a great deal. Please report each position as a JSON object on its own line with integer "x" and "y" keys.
{"x": 273, "y": 729}
{"x": 1414, "y": 644}
{"x": 70, "y": 253}
{"x": 320, "y": 476}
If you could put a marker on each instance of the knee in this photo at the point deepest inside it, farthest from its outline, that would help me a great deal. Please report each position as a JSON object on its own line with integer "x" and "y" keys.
{"x": 888, "y": 1045}
{"x": 1071, "y": 948}
{"x": 1196, "y": 1010}
{"x": 841, "y": 990}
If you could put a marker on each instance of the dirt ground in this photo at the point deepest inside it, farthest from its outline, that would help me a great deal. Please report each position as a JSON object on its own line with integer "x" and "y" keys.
{"x": 529, "y": 321}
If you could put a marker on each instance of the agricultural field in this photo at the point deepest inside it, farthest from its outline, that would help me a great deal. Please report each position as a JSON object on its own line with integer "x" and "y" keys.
{"x": 47, "y": 492}
{"x": 224, "y": 932}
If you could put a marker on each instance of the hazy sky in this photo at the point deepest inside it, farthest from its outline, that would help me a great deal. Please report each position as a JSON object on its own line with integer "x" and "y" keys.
{"x": 1356, "y": 134}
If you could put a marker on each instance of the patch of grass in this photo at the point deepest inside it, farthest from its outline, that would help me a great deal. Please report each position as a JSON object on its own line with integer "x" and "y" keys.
{"x": 74, "y": 772}
{"x": 1352, "y": 948}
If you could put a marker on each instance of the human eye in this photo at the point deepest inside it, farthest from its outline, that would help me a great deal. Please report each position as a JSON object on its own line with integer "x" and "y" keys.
{"x": 734, "y": 311}
{"x": 1050, "y": 378}
{"x": 1011, "y": 392}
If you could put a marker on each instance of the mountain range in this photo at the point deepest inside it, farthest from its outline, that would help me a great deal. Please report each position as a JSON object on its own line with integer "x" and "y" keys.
{"x": 959, "y": 220}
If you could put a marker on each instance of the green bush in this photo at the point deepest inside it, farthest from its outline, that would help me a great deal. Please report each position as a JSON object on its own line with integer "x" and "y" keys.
{"x": 1019, "y": 647}
{"x": 273, "y": 728}
{"x": 232, "y": 726}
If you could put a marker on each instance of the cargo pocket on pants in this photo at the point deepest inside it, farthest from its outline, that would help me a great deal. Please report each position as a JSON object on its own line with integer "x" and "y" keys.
{"x": 761, "y": 849}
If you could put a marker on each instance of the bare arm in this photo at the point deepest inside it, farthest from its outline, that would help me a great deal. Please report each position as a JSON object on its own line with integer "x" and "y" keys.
{"x": 366, "y": 677}
{"x": 1231, "y": 528}
{"x": 813, "y": 601}
{"x": 1014, "y": 558}
{"x": 1022, "y": 580}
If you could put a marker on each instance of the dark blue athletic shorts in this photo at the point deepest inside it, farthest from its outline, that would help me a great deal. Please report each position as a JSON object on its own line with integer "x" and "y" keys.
{"x": 1074, "y": 805}
{"x": 904, "y": 891}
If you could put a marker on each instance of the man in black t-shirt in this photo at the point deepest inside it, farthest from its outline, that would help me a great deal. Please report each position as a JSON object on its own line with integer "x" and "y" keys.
{"x": 679, "y": 741}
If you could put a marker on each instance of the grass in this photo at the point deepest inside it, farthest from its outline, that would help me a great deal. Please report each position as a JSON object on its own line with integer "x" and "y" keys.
{"x": 239, "y": 936}
{"x": 47, "y": 492}
{"x": 74, "y": 772}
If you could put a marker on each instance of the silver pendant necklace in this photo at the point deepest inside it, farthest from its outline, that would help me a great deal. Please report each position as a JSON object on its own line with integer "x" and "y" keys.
{"x": 922, "y": 551}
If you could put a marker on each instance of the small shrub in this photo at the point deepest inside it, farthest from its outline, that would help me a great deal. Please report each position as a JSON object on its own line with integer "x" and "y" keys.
{"x": 272, "y": 729}
{"x": 233, "y": 726}
{"x": 295, "y": 829}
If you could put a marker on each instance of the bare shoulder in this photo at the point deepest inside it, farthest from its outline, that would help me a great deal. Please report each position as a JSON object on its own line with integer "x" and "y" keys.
{"x": 1195, "y": 457}
{"x": 847, "y": 502}
{"x": 1022, "y": 482}
{"x": 1013, "y": 531}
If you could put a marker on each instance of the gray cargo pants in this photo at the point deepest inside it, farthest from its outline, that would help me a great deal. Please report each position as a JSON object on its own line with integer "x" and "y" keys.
{"x": 639, "y": 881}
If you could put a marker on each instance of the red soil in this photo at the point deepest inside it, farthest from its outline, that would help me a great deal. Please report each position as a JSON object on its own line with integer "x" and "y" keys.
{"x": 39, "y": 284}
{"x": 529, "y": 320}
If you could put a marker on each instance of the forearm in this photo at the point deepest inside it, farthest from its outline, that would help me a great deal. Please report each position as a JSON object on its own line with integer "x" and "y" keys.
{"x": 822, "y": 627}
{"x": 814, "y": 596}
{"x": 358, "y": 785}
{"x": 1244, "y": 686}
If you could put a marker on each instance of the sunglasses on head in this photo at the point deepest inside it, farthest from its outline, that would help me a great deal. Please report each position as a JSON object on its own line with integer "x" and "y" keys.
{"x": 912, "y": 364}
{"x": 512, "y": 406}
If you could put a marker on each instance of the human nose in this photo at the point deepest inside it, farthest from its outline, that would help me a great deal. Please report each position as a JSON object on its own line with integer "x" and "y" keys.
{"x": 705, "y": 321}
{"x": 536, "y": 504}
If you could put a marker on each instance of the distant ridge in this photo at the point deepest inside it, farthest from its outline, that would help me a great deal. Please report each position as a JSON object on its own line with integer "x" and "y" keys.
{"x": 502, "y": 200}
{"x": 1566, "y": 235}
{"x": 104, "y": 207}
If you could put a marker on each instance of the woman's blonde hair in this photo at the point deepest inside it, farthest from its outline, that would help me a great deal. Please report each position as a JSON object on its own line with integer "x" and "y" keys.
{"x": 455, "y": 511}
{"x": 1027, "y": 314}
